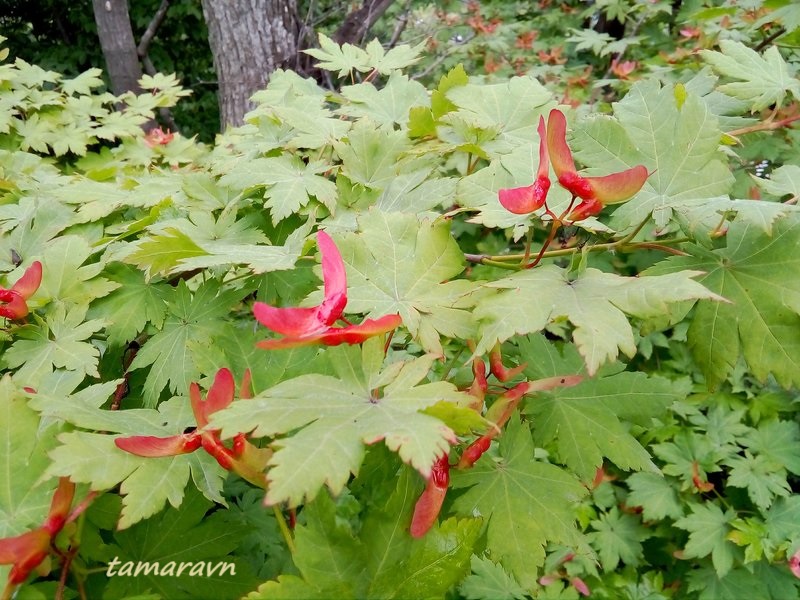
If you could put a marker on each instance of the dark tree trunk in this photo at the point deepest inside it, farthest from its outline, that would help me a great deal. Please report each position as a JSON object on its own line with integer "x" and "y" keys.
{"x": 355, "y": 26}
{"x": 118, "y": 45}
{"x": 249, "y": 39}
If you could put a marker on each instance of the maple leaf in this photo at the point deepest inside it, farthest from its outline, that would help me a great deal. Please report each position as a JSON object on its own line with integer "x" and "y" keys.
{"x": 162, "y": 252}
{"x": 490, "y": 580}
{"x": 383, "y": 561}
{"x": 396, "y": 58}
{"x": 527, "y": 503}
{"x": 328, "y": 420}
{"x": 618, "y": 537}
{"x": 763, "y": 478}
{"x": 760, "y": 275}
{"x": 345, "y": 58}
{"x": 594, "y": 302}
{"x": 586, "y": 421}
{"x": 93, "y": 458}
{"x": 708, "y": 529}
{"x": 66, "y": 278}
{"x": 680, "y": 150}
{"x": 396, "y": 265}
{"x": 656, "y": 495}
{"x": 23, "y": 459}
{"x": 193, "y": 320}
{"x": 387, "y": 106}
{"x": 372, "y": 156}
{"x": 763, "y": 80}
{"x": 59, "y": 342}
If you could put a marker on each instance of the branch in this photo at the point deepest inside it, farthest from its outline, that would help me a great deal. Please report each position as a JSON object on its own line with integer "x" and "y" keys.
{"x": 150, "y": 32}
{"x": 357, "y": 24}
{"x": 402, "y": 22}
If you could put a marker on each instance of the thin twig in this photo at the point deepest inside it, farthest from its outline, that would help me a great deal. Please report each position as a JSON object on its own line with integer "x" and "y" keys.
{"x": 767, "y": 125}
{"x": 770, "y": 38}
{"x": 399, "y": 28}
{"x": 152, "y": 27}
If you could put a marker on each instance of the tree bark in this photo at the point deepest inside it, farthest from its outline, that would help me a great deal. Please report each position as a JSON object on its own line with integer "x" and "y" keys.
{"x": 119, "y": 47}
{"x": 356, "y": 24}
{"x": 249, "y": 39}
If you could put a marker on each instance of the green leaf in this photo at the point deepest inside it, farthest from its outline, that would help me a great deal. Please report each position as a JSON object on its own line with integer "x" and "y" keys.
{"x": 191, "y": 538}
{"x": 193, "y": 320}
{"x": 330, "y": 419}
{"x": 763, "y": 478}
{"x": 783, "y": 181}
{"x": 708, "y": 529}
{"x": 778, "y": 441}
{"x": 290, "y": 183}
{"x": 737, "y": 584}
{"x": 59, "y": 342}
{"x": 595, "y": 303}
{"x": 760, "y": 275}
{"x": 370, "y": 155}
{"x": 345, "y": 58}
{"x": 763, "y": 80}
{"x": 490, "y": 581}
{"x": 388, "y": 106}
{"x": 618, "y": 537}
{"x": 63, "y": 277}
{"x": 161, "y": 253}
{"x": 397, "y": 265}
{"x": 23, "y": 459}
{"x": 399, "y": 57}
{"x": 384, "y": 561}
{"x": 129, "y": 308}
{"x": 680, "y": 150}
{"x": 147, "y": 483}
{"x": 655, "y": 494}
{"x": 526, "y": 503}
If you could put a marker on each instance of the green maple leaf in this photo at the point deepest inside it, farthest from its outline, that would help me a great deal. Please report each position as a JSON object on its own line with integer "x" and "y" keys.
{"x": 618, "y": 537}
{"x": 779, "y": 441}
{"x": 703, "y": 218}
{"x": 59, "y": 342}
{"x": 708, "y": 529}
{"x": 23, "y": 459}
{"x": 66, "y": 278}
{"x": 490, "y": 581}
{"x": 785, "y": 180}
{"x": 511, "y": 109}
{"x": 388, "y": 106}
{"x": 763, "y": 80}
{"x": 760, "y": 275}
{"x": 84, "y": 83}
{"x": 586, "y": 421}
{"x": 384, "y": 561}
{"x": 735, "y": 585}
{"x": 783, "y": 519}
{"x": 328, "y": 420}
{"x": 526, "y": 503}
{"x": 371, "y": 155}
{"x": 396, "y": 58}
{"x": 655, "y": 494}
{"x": 93, "y": 458}
{"x": 193, "y": 320}
{"x": 346, "y": 58}
{"x": 763, "y": 478}
{"x": 416, "y": 192}
{"x": 189, "y": 534}
{"x": 290, "y": 183}
{"x": 161, "y": 253}
{"x": 680, "y": 150}
{"x": 595, "y": 303}
{"x": 397, "y": 265}
{"x": 129, "y": 308}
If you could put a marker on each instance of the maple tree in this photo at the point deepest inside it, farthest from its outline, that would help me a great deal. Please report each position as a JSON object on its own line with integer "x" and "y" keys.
{"x": 491, "y": 374}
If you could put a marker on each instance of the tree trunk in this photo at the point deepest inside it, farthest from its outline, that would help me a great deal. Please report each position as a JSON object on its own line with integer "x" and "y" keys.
{"x": 118, "y": 45}
{"x": 249, "y": 39}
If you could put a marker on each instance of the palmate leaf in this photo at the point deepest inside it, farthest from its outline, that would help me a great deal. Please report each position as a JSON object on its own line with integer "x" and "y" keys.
{"x": 93, "y": 458}
{"x": 708, "y": 529}
{"x": 24, "y": 496}
{"x": 66, "y": 278}
{"x": 397, "y": 265}
{"x": 760, "y": 275}
{"x": 193, "y": 320}
{"x": 190, "y": 534}
{"x": 618, "y": 537}
{"x": 763, "y": 80}
{"x": 586, "y": 421}
{"x": 290, "y": 183}
{"x": 59, "y": 342}
{"x": 388, "y": 106}
{"x": 384, "y": 561}
{"x": 490, "y": 581}
{"x": 370, "y": 155}
{"x": 526, "y": 503}
{"x": 328, "y": 420}
{"x": 680, "y": 149}
{"x": 595, "y": 303}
